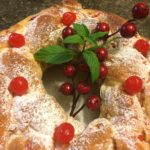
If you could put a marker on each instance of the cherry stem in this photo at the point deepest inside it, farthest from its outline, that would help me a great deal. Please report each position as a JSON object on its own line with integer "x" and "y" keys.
{"x": 79, "y": 110}
{"x": 84, "y": 45}
{"x": 75, "y": 100}
{"x": 130, "y": 20}
{"x": 113, "y": 33}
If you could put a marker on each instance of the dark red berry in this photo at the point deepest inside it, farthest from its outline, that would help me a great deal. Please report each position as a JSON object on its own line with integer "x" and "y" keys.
{"x": 69, "y": 70}
{"x": 142, "y": 46}
{"x": 93, "y": 102}
{"x": 83, "y": 88}
{"x": 128, "y": 30}
{"x": 16, "y": 40}
{"x": 132, "y": 85}
{"x": 68, "y": 18}
{"x": 64, "y": 133}
{"x": 102, "y": 53}
{"x": 102, "y": 27}
{"x": 141, "y": 137}
{"x": 18, "y": 86}
{"x": 67, "y": 32}
{"x": 103, "y": 71}
{"x": 66, "y": 88}
{"x": 140, "y": 10}
{"x": 83, "y": 67}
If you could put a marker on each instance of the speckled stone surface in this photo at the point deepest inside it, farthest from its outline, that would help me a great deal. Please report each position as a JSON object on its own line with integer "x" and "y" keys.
{"x": 12, "y": 11}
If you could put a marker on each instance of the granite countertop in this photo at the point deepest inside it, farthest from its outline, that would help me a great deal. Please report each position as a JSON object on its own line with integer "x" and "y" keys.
{"x": 12, "y": 11}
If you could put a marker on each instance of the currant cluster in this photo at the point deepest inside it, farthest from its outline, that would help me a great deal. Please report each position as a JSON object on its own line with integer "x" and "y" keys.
{"x": 93, "y": 102}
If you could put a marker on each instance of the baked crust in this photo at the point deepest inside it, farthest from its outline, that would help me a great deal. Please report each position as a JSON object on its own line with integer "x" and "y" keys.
{"x": 28, "y": 122}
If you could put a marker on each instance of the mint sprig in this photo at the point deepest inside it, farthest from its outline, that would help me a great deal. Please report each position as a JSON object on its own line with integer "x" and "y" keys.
{"x": 93, "y": 64}
{"x": 74, "y": 39}
{"x": 56, "y": 54}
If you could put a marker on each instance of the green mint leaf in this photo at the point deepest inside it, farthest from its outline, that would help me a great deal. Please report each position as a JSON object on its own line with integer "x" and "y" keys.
{"x": 98, "y": 35}
{"x": 81, "y": 29}
{"x": 54, "y": 54}
{"x": 74, "y": 39}
{"x": 93, "y": 63}
{"x": 91, "y": 41}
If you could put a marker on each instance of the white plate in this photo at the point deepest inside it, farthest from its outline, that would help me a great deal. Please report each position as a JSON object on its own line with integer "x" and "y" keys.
{"x": 52, "y": 79}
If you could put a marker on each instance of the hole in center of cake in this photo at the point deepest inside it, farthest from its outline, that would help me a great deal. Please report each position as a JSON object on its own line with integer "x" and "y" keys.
{"x": 53, "y": 78}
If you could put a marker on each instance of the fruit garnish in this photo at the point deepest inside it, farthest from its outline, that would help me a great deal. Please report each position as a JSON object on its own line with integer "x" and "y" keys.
{"x": 67, "y": 31}
{"x": 66, "y": 88}
{"x": 128, "y": 30}
{"x": 102, "y": 27}
{"x": 83, "y": 88}
{"x": 93, "y": 102}
{"x": 133, "y": 85}
{"x": 142, "y": 46}
{"x": 102, "y": 53}
{"x": 69, "y": 70}
{"x": 64, "y": 133}
{"x": 83, "y": 67}
{"x": 103, "y": 71}
{"x": 140, "y": 10}
{"x": 16, "y": 40}
{"x": 68, "y": 18}
{"x": 18, "y": 86}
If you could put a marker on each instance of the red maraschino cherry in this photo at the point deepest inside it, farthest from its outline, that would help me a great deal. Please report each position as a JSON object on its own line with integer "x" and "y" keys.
{"x": 142, "y": 46}
{"x": 132, "y": 85}
{"x": 16, "y": 40}
{"x": 64, "y": 133}
{"x": 18, "y": 86}
{"x": 68, "y": 18}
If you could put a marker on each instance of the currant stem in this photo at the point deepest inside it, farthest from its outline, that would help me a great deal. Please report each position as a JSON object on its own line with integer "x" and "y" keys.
{"x": 84, "y": 46}
{"x": 131, "y": 20}
{"x": 79, "y": 110}
{"x": 75, "y": 100}
{"x": 113, "y": 33}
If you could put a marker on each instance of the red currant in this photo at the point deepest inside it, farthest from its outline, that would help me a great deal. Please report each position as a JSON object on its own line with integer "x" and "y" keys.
{"x": 66, "y": 88}
{"x": 83, "y": 67}
{"x": 140, "y": 10}
{"x": 82, "y": 88}
{"x": 102, "y": 53}
{"x": 102, "y": 27}
{"x": 64, "y": 133}
{"x": 142, "y": 46}
{"x": 68, "y": 18}
{"x": 128, "y": 30}
{"x": 93, "y": 102}
{"x": 69, "y": 70}
{"x": 16, "y": 40}
{"x": 132, "y": 85}
{"x": 67, "y": 32}
{"x": 141, "y": 137}
{"x": 103, "y": 71}
{"x": 18, "y": 86}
